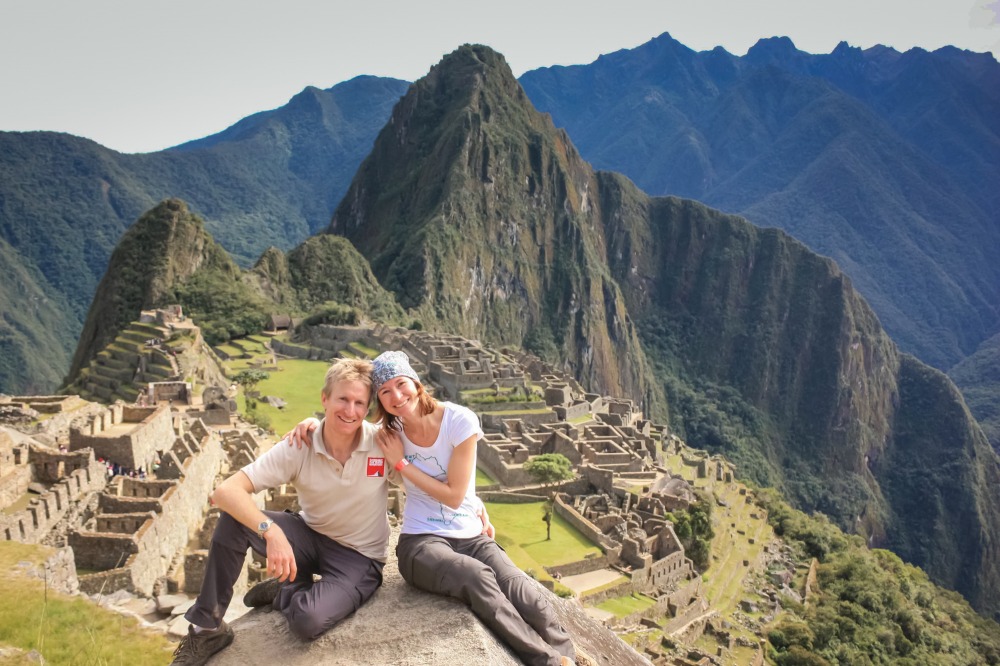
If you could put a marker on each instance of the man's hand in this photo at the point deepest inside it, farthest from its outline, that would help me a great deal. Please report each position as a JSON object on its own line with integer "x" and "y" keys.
{"x": 280, "y": 558}
{"x": 301, "y": 435}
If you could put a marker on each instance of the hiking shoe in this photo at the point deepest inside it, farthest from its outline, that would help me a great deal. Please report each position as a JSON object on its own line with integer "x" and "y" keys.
{"x": 262, "y": 594}
{"x": 196, "y": 648}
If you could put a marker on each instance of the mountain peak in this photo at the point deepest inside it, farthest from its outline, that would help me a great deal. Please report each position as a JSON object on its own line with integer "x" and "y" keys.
{"x": 479, "y": 215}
{"x": 775, "y": 50}
{"x": 165, "y": 246}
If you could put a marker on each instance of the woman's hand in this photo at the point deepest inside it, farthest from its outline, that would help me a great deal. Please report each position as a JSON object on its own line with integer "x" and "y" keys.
{"x": 488, "y": 529}
{"x": 392, "y": 446}
{"x": 301, "y": 435}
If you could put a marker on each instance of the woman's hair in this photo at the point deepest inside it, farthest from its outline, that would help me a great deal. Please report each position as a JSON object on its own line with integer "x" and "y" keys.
{"x": 348, "y": 370}
{"x": 425, "y": 405}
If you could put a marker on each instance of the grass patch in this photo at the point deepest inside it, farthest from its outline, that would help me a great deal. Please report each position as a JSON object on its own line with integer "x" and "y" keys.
{"x": 484, "y": 479}
{"x": 521, "y": 531}
{"x": 622, "y": 606}
{"x": 20, "y": 504}
{"x": 68, "y": 630}
{"x": 298, "y": 383}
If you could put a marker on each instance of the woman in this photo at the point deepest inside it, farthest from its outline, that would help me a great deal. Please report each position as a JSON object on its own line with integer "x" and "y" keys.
{"x": 442, "y": 548}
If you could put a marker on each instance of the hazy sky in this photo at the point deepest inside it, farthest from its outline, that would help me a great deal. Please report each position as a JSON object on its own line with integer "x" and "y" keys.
{"x": 141, "y": 75}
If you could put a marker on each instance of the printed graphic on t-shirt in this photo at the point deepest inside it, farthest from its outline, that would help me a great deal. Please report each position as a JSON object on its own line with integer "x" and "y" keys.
{"x": 447, "y": 516}
{"x": 376, "y": 466}
{"x": 429, "y": 466}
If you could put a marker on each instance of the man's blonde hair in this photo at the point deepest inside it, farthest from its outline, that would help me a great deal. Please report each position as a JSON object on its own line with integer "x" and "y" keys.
{"x": 348, "y": 370}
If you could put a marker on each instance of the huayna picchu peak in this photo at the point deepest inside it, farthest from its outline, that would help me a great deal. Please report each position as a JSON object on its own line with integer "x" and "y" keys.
{"x": 479, "y": 214}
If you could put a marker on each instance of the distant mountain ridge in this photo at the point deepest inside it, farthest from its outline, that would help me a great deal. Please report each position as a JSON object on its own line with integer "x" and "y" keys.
{"x": 884, "y": 161}
{"x": 271, "y": 179}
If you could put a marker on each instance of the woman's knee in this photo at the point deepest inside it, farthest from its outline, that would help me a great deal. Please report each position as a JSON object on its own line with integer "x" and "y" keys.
{"x": 468, "y": 578}
{"x": 530, "y": 601}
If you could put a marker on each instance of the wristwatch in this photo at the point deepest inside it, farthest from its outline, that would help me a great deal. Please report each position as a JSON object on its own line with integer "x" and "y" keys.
{"x": 263, "y": 527}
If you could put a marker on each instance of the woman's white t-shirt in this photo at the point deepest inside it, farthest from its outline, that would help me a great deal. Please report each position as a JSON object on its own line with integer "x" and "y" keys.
{"x": 422, "y": 513}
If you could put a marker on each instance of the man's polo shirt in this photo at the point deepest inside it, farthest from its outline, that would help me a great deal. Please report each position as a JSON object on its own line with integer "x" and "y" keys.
{"x": 346, "y": 503}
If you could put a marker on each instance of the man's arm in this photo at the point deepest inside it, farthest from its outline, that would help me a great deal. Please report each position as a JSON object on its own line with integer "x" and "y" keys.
{"x": 233, "y": 497}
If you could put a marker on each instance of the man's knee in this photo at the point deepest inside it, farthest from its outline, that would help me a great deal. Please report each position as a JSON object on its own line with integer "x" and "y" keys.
{"x": 319, "y": 608}
{"x": 307, "y": 626}
{"x": 229, "y": 532}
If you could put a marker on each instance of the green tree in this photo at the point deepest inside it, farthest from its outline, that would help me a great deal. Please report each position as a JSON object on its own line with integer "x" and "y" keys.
{"x": 249, "y": 379}
{"x": 549, "y": 468}
{"x": 547, "y": 517}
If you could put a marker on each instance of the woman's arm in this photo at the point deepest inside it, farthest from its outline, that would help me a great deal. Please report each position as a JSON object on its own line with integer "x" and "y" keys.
{"x": 449, "y": 492}
{"x": 301, "y": 434}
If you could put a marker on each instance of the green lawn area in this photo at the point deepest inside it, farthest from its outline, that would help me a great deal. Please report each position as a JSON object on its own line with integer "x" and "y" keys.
{"x": 521, "y": 531}
{"x": 483, "y": 479}
{"x": 299, "y": 384}
{"x": 68, "y": 630}
{"x": 622, "y": 606}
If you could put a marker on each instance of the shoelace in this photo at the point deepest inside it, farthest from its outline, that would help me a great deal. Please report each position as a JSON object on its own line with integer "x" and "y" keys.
{"x": 189, "y": 647}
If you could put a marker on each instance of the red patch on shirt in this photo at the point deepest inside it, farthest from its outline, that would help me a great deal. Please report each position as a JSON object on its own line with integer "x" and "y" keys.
{"x": 376, "y": 466}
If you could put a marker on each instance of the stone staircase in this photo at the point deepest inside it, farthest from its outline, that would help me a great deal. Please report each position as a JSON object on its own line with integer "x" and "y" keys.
{"x": 123, "y": 368}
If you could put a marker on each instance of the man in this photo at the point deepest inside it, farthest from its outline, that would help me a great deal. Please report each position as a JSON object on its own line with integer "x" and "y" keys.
{"x": 341, "y": 533}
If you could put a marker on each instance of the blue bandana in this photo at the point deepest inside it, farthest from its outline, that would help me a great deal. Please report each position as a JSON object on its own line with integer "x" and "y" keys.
{"x": 391, "y": 364}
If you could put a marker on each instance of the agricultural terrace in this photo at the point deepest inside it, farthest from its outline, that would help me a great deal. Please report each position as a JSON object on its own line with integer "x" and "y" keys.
{"x": 253, "y": 351}
{"x": 741, "y": 535}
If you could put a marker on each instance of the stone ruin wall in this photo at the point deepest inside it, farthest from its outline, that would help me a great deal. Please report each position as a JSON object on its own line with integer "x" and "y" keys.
{"x": 15, "y": 472}
{"x": 587, "y": 528}
{"x": 158, "y": 392}
{"x": 663, "y": 572}
{"x": 153, "y": 547}
{"x": 84, "y": 476}
{"x": 135, "y": 448}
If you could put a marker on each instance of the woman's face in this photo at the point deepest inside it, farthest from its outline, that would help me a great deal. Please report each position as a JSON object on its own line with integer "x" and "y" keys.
{"x": 398, "y": 396}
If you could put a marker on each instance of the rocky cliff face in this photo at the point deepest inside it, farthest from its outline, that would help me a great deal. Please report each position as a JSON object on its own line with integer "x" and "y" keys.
{"x": 478, "y": 214}
{"x": 876, "y": 439}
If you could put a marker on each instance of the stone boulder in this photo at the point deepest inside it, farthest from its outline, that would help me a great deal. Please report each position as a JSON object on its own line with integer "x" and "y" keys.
{"x": 403, "y": 626}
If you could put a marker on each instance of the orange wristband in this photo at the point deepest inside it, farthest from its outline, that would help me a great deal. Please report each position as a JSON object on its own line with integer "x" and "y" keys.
{"x": 403, "y": 462}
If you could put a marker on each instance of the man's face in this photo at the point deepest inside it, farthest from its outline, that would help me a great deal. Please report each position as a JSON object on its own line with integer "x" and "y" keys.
{"x": 346, "y": 406}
